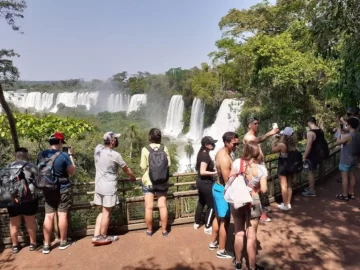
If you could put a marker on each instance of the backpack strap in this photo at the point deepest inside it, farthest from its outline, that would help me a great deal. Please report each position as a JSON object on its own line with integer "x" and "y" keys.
{"x": 148, "y": 147}
{"x": 162, "y": 147}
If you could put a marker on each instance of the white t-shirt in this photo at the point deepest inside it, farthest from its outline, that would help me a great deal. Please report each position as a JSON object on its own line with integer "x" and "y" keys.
{"x": 107, "y": 163}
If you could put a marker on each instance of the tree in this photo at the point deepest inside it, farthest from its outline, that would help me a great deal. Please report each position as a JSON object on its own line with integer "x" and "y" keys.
{"x": 132, "y": 132}
{"x": 189, "y": 150}
{"x": 10, "y": 10}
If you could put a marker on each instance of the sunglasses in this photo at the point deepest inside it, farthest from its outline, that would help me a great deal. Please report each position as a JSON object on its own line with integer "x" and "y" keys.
{"x": 236, "y": 144}
{"x": 256, "y": 123}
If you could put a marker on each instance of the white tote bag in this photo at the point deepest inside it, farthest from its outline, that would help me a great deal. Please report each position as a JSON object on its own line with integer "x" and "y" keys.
{"x": 236, "y": 191}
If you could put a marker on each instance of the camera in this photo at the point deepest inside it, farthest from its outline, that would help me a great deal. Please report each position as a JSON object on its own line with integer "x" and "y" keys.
{"x": 66, "y": 148}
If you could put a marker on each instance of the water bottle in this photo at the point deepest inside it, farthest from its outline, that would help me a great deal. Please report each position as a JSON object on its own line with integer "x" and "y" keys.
{"x": 306, "y": 165}
{"x": 32, "y": 190}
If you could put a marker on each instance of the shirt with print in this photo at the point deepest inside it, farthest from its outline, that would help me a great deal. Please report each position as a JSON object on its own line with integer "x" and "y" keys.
{"x": 144, "y": 162}
{"x": 107, "y": 163}
{"x": 30, "y": 170}
{"x": 61, "y": 164}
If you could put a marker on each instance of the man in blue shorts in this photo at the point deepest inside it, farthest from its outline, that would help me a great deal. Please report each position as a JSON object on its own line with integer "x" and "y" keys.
{"x": 222, "y": 209}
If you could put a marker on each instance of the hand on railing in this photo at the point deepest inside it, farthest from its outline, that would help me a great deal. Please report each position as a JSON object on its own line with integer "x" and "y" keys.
{"x": 132, "y": 178}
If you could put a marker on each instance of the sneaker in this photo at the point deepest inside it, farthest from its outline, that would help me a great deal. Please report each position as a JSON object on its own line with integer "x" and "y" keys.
{"x": 64, "y": 245}
{"x": 257, "y": 267}
{"x": 196, "y": 226}
{"x": 101, "y": 240}
{"x": 33, "y": 246}
{"x": 284, "y": 207}
{"x": 208, "y": 230}
{"x": 223, "y": 255}
{"x": 112, "y": 238}
{"x": 238, "y": 266}
{"x": 309, "y": 193}
{"x": 15, "y": 249}
{"x": 95, "y": 238}
{"x": 213, "y": 245}
{"x": 46, "y": 249}
{"x": 264, "y": 218}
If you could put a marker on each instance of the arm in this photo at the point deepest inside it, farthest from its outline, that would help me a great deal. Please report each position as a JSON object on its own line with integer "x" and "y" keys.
{"x": 166, "y": 150}
{"x": 203, "y": 170}
{"x": 263, "y": 184}
{"x": 252, "y": 138}
{"x": 129, "y": 172}
{"x": 310, "y": 139}
{"x": 345, "y": 139}
{"x": 144, "y": 159}
{"x": 280, "y": 147}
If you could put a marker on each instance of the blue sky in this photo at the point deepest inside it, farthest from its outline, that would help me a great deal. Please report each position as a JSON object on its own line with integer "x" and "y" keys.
{"x": 94, "y": 39}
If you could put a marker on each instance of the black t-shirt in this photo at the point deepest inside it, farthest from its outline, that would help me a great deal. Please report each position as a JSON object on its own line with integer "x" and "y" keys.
{"x": 205, "y": 157}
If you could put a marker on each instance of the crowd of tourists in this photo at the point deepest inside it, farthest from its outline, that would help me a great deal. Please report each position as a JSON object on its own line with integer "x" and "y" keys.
{"x": 227, "y": 186}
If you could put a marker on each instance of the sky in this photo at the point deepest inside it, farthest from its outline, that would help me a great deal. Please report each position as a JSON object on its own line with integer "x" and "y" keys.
{"x": 92, "y": 39}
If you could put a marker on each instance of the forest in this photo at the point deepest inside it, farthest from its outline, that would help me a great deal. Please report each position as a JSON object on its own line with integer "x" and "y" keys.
{"x": 288, "y": 61}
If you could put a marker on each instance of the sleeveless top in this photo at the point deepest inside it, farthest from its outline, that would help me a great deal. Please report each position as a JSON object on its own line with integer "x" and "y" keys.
{"x": 314, "y": 147}
{"x": 346, "y": 156}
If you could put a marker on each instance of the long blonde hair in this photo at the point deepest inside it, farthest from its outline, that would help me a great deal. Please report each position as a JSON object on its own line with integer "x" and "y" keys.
{"x": 290, "y": 142}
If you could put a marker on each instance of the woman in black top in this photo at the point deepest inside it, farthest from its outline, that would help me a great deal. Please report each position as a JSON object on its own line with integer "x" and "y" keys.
{"x": 204, "y": 182}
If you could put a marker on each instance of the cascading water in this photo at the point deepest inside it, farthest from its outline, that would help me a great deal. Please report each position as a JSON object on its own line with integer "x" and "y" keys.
{"x": 174, "y": 123}
{"x": 118, "y": 103}
{"x": 74, "y": 99}
{"x": 136, "y": 101}
{"x": 196, "y": 120}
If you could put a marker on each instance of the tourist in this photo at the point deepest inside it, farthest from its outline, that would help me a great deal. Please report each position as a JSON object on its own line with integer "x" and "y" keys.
{"x": 246, "y": 218}
{"x": 285, "y": 144}
{"x": 313, "y": 155}
{"x": 204, "y": 182}
{"x": 348, "y": 162}
{"x": 155, "y": 161}
{"x": 59, "y": 200}
{"x": 220, "y": 224}
{"x": 29, "y": 207}
{"x": 107, "y": 163}
{"x": 250, "y": 136}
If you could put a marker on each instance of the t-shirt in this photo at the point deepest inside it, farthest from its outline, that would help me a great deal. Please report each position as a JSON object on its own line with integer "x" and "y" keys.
{"x": 61, "y": 164}
{"x": 144, "y": 162}
{"x": 205, "y": 157}
{"x": 107, "y": 163}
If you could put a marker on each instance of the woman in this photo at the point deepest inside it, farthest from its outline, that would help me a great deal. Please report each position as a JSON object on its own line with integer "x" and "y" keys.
{"x": 204, "y": 182}
{"x": 246, "y": 218}
{"x": 286, "y": 143}
{"x": 149, "y": 189}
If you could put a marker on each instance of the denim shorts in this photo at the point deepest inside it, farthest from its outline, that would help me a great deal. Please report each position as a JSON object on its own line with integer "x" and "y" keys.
{"x": 154, "y": 190}
{"x": 347, "y": 168}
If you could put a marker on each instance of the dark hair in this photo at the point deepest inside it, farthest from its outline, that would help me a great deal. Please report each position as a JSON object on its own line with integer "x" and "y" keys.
{"x": 290, "y": 142}
{"x": 311, "y": 120}
{"x": 252, "y": 150}
{"x": 252, "y": 119}
{"x": 21, "y": 153}
{"x": 229, "y": 136}
{"x": 197, "y": 166}
{"x": 155, "y": 135}
{"x": 353, "y": 122}
{"x": 54, "y": 141}
{"x": 21, "y": 150}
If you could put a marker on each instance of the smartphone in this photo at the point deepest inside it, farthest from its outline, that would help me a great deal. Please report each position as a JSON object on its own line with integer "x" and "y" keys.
{"x": 66, "y": 148}
{"x": 275, "y": 125}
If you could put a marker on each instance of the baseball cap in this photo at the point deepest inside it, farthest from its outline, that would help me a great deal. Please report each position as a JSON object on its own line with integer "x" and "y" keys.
{"x": 288, "y": 131}
{"x": 58, "y": 135}
{"x": 111, "y": 135}
{"x": 208, "y": 140}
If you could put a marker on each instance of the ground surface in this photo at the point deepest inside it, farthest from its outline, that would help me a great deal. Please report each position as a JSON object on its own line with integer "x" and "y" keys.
{"x": 319, "y": 233}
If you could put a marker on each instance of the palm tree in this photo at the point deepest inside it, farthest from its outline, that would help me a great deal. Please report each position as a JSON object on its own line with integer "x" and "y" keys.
{"x": 132, "y": 132}
{"x": 189, "y": 150}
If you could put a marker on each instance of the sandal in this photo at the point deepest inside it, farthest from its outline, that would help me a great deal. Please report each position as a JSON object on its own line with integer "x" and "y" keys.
{"x": 342, "y": 197}
{"x": 351, "y": 197}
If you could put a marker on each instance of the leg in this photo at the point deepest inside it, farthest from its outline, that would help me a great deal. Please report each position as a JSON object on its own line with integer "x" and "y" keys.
{"x": 63, "y": 225}
{"x": 105, "y": 220}
{"x": 289, "y": 188}
{"x": 352, "y": 179}
{"x": 48, "y": 227}
{"x": 149, "y": 206}
{"x": 31, "y": 228}
{"x": 345, "y": 183}
{"x": 14, "y": 229}
{"x": 163, "y": 211}
{"x": 224, "y": 222}
{"x": 251, "y": 242}
{"x": 64, "y": 207}
{"x": 239, "y": 216}
{"x": 215, "y": 229}
{"x": 210, "y": 206}
{"x": 98, "y": 223}
{"x": 200, "y": 206}
{"x": 284, "y": 188}
{"x": 311, "y": 180}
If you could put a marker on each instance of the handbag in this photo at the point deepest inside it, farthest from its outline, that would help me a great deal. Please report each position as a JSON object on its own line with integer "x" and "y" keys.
{"x": 236, "y": 191}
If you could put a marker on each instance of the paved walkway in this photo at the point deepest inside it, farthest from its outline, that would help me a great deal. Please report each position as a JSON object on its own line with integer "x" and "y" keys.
{"x": 319, "y": 233}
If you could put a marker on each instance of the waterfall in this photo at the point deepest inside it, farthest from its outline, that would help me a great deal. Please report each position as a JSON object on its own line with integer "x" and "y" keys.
{"x": 118, "y": 103}
{"x": 196, "y": 120}
{"x": 174, "y": 123}
{"x": 74, "y": 99}
{"x": 36, "y": 100}
{"x": 136, "y": 101}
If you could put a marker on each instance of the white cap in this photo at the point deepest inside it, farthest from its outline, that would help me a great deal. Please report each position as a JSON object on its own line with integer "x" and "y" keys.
{"x": 111, "y": 135}
{"x": 288, "y": 131}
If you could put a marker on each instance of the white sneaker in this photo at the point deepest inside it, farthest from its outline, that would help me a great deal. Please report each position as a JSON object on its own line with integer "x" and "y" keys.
{"x": 208, "y": 230}
{"x": 280, "y": 206}
{"x": 284, "y": 207}
{"x": 196, "y": 226}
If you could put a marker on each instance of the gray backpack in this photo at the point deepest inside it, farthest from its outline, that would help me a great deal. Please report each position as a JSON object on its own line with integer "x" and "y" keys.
{"x": 158, "y": 165}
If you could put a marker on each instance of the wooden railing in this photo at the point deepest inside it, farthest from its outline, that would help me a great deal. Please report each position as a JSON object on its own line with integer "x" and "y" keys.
{"x": 182, "y": 200}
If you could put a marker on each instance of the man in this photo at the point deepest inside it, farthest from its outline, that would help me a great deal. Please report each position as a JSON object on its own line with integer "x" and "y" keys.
{"x": 107, "y": 162}
{"x": 250, "y": 136}
{"x": 220, "y": 224}
{"x": 29, "y": 207}
{"x": 315, "y": 136}
{"x": 60, "y": 199}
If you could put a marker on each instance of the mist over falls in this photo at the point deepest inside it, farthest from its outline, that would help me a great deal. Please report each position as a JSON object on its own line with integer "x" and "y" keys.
{"x": 165, "y": 114}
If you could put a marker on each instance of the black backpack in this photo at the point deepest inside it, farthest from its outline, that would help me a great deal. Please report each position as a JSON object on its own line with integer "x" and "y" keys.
{"x": 47, "y": 179}
{"x": 294, "y": 162}
{"x": 158, "y": 165}
{"x": 14, "y": 187}
{"x": 356, "y": 145}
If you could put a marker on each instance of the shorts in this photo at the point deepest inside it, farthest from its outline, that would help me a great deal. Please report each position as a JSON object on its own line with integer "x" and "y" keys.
{"x": 281, "y": 170}
{"x": 163, "y": 189}
{"x": 56, "y": 200}
{"x": 313, "y": 163}
{"x": 347, "y": 168}
{"x": 25, "y": 208}
{"x": 106, "y": 200}
{"x": 222, "y": 207}
{"x": 252, "y": 211}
